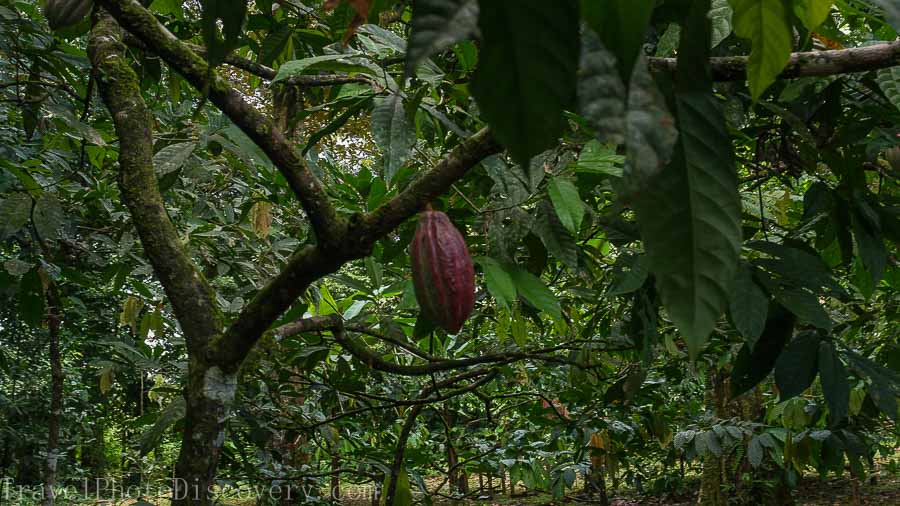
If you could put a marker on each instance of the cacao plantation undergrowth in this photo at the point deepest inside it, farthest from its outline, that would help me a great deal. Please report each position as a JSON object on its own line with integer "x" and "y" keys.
{"x": 448, "y": 252}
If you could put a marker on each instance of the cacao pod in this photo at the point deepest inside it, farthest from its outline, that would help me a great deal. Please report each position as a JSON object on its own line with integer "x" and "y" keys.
{"x": 443, "y": 275}
{"x": 64, "y": 13}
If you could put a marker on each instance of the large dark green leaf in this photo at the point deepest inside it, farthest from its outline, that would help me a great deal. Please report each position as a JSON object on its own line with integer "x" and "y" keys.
{"x": 436, "y": 25}
{"x": 796, "y": 368}
{"x": 690, "y": 216}
{"x": 835, "y": 385}
{"x": 14, "y": 213}
{"x": 870, "y": 244}
{"x": 752, "y": 365}
{"x": 556, "y": 238}
{"x": 748, "y": 305}
{"x": 526, "y": 74}
{"x": 49, "y": 216}
{"x": 394, "y": 133}
{"x": 31, "y": 298}
{"x": 232, "y": 14}
{"x": 535, "y": 292}
{"x": 621, "y": 25}
{"x": 172, "y": 413}
{"x": 567, "y": 203}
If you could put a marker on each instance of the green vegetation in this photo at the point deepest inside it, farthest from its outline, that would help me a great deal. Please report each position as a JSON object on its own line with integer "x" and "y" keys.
{"x": 683, "y": 217}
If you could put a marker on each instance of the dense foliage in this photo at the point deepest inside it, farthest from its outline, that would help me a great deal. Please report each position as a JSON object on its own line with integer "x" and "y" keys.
{"x": 683, "y": 216}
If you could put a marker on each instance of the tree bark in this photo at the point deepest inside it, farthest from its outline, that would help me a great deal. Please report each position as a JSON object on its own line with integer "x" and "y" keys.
{"x": 56, "y": 394}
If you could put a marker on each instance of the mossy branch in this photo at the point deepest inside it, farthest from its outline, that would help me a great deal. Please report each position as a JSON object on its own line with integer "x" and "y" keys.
{"x": 192, "y": 298}
{"x": 141, "y": 23}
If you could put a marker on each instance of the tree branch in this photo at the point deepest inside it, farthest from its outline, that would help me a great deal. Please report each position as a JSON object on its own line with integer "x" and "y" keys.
{"x": 806, "y": 64}
{"x": 192, "y": 298}
{"x": 143, "y": 24}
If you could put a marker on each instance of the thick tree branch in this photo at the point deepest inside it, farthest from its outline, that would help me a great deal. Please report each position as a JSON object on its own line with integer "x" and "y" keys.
{"x": 143, "y": 24}
{"x": 433, "y": 183}
{"x": 313, "y": 262}
{"x": 192, "y": 298}
{"x": 813, "y": 63}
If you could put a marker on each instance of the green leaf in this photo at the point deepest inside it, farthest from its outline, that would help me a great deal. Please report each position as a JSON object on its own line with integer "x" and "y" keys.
{"x": 621, "y": 25}
{"x": 748, "y": 305}
{"x": 498, "y": 281}
{"x": 811, "y": 13}
{"x": 169, "y": 416}
{"x": 274, "y": 43}
{"x": 755, "y": 452}
{"x": 437, "y": 25}
{"x": 599, "y": 158}
{"x": 796, "y": 368}
{"x": 766, "y": 24}
{"x": 535, "y": 292}
{"x": 232, "y": 14}
{"x": 690, "y": 216}
{"x": 752, "y": 365}
{"x": 394, "y": 133}
{"x": 49, "y": 217}
{"x": 720, "y": 17}
{"x": 14, "y": 214}
{"x": 601, "y": 92}
{"x": 526, "y": 76}
{"x": 889, "y": 81}
{"x": 805, "y": 305}
{"x": 402, "y": 493}
{"x": 558, "y": 241}
{"x": 630, "y": 273}
{"x": 31, "y": 298}
{"x": 870, "y": 245}
{"x": 316, "y": 64}
{"x": 567, "y": 203}
{"x": 835, "y": 385}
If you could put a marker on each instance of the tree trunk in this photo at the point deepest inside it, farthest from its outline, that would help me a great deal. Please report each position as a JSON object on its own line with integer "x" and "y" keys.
{"x": 208, "y": 394}
{"x": 56, "y": 393}
{"x": 336, "y": 477}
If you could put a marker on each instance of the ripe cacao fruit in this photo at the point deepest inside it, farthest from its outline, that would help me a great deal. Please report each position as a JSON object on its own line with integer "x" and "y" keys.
{"x": 443, "y": 275}
{"x": 63, "y": 13}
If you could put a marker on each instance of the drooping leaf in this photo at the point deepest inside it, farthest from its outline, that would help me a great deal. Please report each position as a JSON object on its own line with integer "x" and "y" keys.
{"x": 232, "y": 14}
{"x": 812, "y": 13}
{"x": 170, "y": 415}
{"x": 690, "y": 215}
{"x": 526, "y": 76}
{"x": 870, "y": 245}
{"x": 835, "y": 385}
{"x": 556, "y": 238}
{"x": 438, "y": 24}
{"x": 32, "y": 303}
{"x": 621, "y": 25}
{"x": 393, "y": 132}
{"x": 49, "y": 217}
{"x": 275, "y": 43}
{"x": 535, "y": 292}
{"x": 567, "y": 203}
{"x": 748, "y": 305}
{"x": 796, "y": 368}
{"x": 14, "y": 213}
{"x": 766, "y": 24}
{"x": 753, "y": 365}
{"x": 498, "y": 281}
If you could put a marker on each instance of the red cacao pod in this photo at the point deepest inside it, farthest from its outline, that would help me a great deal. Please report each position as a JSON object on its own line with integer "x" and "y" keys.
{"x": 443, "y": 275}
